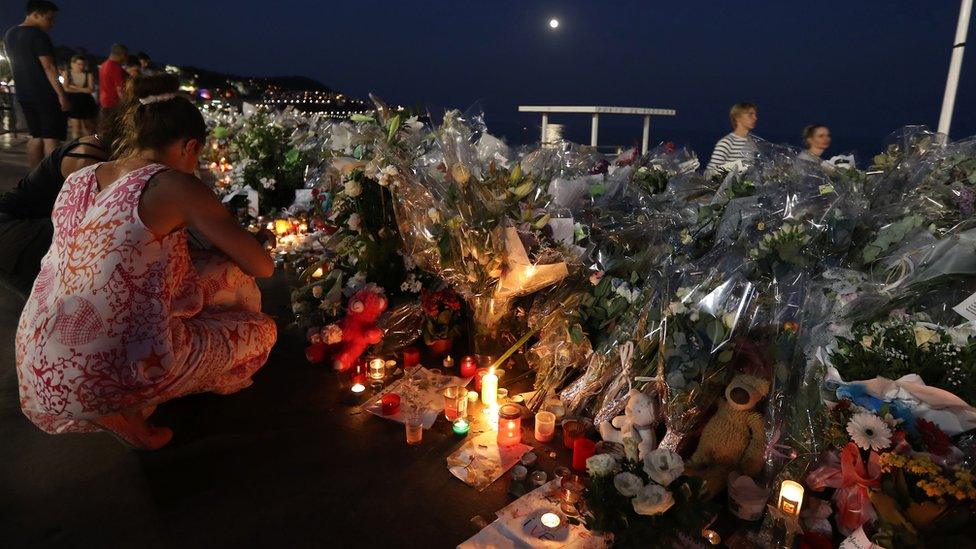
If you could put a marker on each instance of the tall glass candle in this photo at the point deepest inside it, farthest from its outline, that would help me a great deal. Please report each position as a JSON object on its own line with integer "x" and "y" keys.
{"x": 509, "y": 425}
{"x": 583, "y": 449}
{"x": 415, "y": 429}
{"x": 468, "y": 366}
{"x": 411, "y": 357}
{"x": 489, "y": 389}
{"x": 545, "y": 426}
{"x": 572, "y": 430}
{"x": 790, "y": 498}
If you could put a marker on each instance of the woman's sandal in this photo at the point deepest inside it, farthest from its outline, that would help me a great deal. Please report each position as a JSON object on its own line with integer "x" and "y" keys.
{"x": 136, "y": 434}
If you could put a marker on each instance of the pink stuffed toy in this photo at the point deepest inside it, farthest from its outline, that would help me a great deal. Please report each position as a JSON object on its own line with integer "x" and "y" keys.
{"x": 357, "y": 330}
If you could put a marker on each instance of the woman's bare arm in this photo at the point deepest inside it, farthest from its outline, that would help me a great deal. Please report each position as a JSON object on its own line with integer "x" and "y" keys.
{"x": 173, "y": 200}
{"x": 66, "y": 84}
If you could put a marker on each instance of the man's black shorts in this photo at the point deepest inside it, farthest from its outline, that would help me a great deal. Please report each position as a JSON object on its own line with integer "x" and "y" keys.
{"x": 45, "y": 119}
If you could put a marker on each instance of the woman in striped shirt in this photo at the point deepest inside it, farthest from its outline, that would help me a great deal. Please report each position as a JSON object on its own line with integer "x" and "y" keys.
{"x": 739, "y": 144}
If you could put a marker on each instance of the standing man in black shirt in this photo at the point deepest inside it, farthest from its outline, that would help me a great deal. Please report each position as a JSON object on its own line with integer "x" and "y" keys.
{"x": 39, "y": 92}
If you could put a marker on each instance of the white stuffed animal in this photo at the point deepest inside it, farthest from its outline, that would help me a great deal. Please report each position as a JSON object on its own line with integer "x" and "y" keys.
{"x": 637, "y": 423}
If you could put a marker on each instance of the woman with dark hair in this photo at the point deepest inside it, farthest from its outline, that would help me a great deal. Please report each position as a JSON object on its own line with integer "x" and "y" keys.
{"x": 25, "y": 212}
{"x": 80, "y": 85}
{"x": 121, "y": 318}
{"x": 816, "y": 139}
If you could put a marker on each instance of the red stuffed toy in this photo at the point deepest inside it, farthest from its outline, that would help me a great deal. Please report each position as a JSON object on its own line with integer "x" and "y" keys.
{"x": 347, "y": 339}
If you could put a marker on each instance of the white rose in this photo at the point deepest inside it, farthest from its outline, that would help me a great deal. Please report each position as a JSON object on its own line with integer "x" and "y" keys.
{"x": 354, "y": 222}
{"x": 676, "y": 308}
{"x": 601, "y": 465}
{"x": 353, "y": 188}
{"x": 866, "y": 342}
{"x": 388, "y": 175}
{"x": 628, "y": 484}
{"x": 434, "y": 215}
{"x": 663, "y": 466}
{"x": 728, "y": 319}
{"x": 652, "y": 500}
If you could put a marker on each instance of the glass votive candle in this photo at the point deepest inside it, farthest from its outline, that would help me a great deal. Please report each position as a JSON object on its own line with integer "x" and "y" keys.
{"x": 561, "y": 472}
{"x": 583, "y": 449}
{"x": 411, "y": 357}
{"x": 571, "y": 489}
{"x": 377, "y": 369}
{"x": 390, "y": 404}
{"x": 502, "y": 394}
{"x": 509, "y": 425}
{"x": 572, "y": 430}
{"x": 468, "y": 366}
{"x": 455, "y": 402}
{"x": 461, "y": 426}
{"x": 415, "y": 429}
{"x": 545, "y": 426}
{"x": 529, "y": 459}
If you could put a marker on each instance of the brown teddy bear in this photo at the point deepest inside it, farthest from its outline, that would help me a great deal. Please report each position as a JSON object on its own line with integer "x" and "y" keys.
{"x": 734, "y": 438}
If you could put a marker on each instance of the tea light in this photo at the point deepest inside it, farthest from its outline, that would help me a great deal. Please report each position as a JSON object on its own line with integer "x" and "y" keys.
{"x": 461, "y": 426}
{"x": 468, "y": 367}
{"x": 550, "y": 520}
{"x": 377, "y": 369}
{"x": 411, "y": 357}
{"x": 502, "y": 394}
{"x": 545, "y": 426}
{"x": 509, "y": 425}
{"x": 489, "y": 388}
{"x": 472, "y": 396}
{"x": 538, "y": 478}
{"x": 448, "y": 362}
{"x": 790, "y": 498}
{"x": 282, "y": 226}
{"x": 561, "y": 472}
{"x": 358, "y": 388}
{"x": 529, "y": 458}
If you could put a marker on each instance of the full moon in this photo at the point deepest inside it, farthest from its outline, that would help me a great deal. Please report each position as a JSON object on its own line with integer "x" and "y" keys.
{"x": 553, "y": 23}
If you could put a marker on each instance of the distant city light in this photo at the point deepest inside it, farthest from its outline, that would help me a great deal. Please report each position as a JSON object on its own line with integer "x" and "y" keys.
{"x": 554, "y": 23}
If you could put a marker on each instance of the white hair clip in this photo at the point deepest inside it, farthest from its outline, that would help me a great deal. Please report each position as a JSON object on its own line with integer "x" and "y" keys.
{"x": 156, "y": 98}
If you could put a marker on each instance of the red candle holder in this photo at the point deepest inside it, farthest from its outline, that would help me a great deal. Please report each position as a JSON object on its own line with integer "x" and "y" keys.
{"x": 583, "y": 449}
{"x": 411, "y": 357}
{"x": 390, "y": 404}
{"x": 469, "y": 367}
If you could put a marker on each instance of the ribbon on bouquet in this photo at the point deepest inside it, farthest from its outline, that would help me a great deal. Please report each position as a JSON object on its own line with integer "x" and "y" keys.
{"x": 252, "y": 199}
{"x": 775, "y": 449}
{"x": 626, "y": 358}
{"x": 853, "y": 480}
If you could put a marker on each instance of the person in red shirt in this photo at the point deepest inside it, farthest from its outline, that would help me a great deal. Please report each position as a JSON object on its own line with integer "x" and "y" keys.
{"x": 111, "y": 78}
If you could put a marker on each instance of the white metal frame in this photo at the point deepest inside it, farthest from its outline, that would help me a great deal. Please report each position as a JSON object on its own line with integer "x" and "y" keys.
{"x": 955, "y": 67}
{"x": 647, "y": 113}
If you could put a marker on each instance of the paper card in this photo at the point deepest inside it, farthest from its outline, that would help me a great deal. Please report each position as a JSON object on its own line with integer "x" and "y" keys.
{"x": 419, "y": 389}
{"x": 857, "y": 540}
{"x": 519, "y": 524}
{"x": 967, "y": 308}
{"x": 481, "y": 461}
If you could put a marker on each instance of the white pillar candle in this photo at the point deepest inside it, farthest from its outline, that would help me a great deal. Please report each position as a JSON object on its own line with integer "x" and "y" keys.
{"x": 489, "y": 389}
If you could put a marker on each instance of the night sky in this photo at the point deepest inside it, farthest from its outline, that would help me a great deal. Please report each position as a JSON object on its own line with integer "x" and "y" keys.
{"x": 864, "y": 68}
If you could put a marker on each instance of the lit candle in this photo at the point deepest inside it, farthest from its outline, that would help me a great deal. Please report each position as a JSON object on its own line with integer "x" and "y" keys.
{"x": 461, "y": 426}
{"x": 318, "y": 273}
{"x": 583, "y": 449}
{"x": 377, "y": 369}
{"x": 472, "y": 396}
{"x": 509, "y": 425}
{"x": 550, "y": 520}
{"x": 448, "y": 362}
{"x": 790, "y": 498}
{"x": 545, "y": 426}
{"x": 358, "y": 388}
{"x": 468, "y": 367}
{"x": 282, "y": 226}
{"x": 489, "y": 388}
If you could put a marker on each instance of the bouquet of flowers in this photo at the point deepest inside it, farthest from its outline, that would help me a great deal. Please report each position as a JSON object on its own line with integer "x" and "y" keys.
{"x": 644, "y": 503}
{"x": 442, "y": 310}
{"x": 265, "y": 160}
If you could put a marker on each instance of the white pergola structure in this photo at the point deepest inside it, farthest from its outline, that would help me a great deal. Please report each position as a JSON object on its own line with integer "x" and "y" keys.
{"x": 647, "y": 113}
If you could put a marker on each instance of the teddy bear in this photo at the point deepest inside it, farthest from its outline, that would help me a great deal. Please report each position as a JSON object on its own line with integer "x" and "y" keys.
{"x": 346, "y": 340}
{"x": 637, "y": 422}
{"x": 734, "y": 438}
